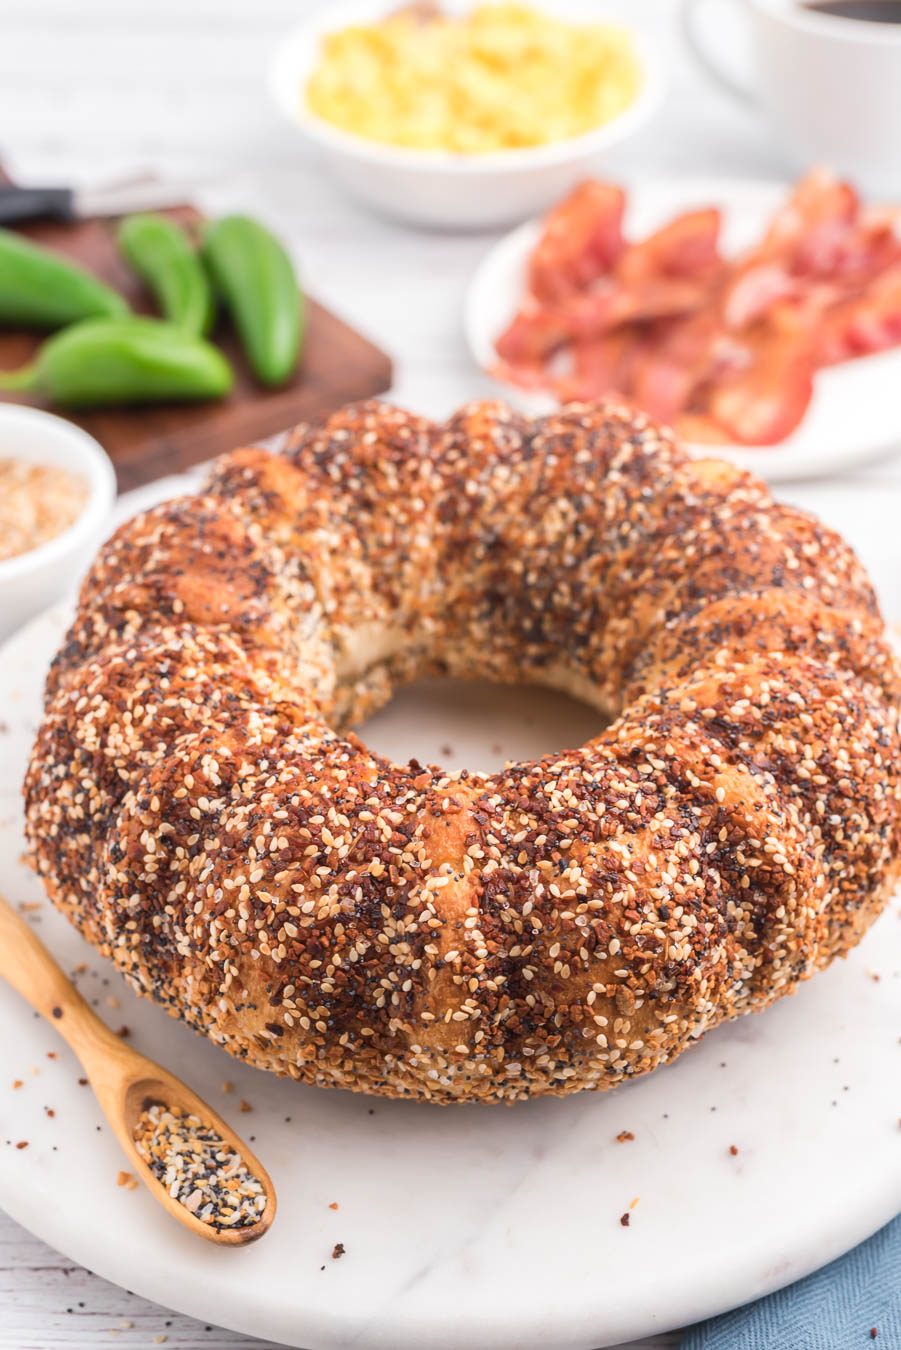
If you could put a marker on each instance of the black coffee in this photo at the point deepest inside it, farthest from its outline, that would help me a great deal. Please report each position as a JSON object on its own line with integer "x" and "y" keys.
{"x": 871, "y": 11}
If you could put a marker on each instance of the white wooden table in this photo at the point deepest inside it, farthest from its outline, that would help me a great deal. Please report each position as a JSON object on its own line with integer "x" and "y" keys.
{"x": 107, "y": 87}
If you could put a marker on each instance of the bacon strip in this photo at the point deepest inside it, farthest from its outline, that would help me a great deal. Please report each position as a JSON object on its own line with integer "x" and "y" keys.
{"x": 726, "y": 350}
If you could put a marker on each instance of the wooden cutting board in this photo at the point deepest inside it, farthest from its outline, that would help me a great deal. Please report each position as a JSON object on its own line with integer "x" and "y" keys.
{"x": 149, "y": 441}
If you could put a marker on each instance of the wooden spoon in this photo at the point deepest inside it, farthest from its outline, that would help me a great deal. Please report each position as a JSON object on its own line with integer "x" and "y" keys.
{"x": 125, "y": 1082}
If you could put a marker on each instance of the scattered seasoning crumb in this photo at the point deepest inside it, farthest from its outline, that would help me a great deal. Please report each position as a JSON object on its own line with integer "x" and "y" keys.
{"x": 17, "y": 1082}
{"x": 733, "y": 1150}
{"x": 122, "y": 1032}
{"x": 333, "y": 1205}
{"x": 160, "y": 1340}
{"x": 873, "y": 1333}
{"x": 624, "y": 1219}
{"x": 122, "y": 1178}
{"x": 227, "y": 1086}
{"x": 244, "y": 1106}
{"x": 126, "y": 1325}
{"x": 634, "y": 1203}
{"x": 198, "y": 1168}
{"x": 51, "y": 1054}
{"x": 23, "y": 1143}
{"x": 29, "y": 906}
{"x": 131, "y": 1184}
{"x": 34, "y": 1070}
{"x": 50, "y": 1111}
{"x": 112, "y": 1001}
{"x": 82, "y": 1082}
{"x": 624, "y": 1136}
{"x": 447, "y": 750}
{"x": 337, "y": 1250}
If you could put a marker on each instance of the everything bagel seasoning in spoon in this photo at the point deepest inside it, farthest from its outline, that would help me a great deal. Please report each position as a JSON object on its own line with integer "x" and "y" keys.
{"x": 198, "y": 1168}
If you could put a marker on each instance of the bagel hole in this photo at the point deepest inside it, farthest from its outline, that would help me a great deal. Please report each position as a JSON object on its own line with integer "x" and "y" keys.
{"x": 475, "y": 724}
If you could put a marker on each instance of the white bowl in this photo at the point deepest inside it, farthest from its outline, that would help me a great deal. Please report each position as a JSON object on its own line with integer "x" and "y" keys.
{"x": 31, "y": 581}
{"x": 439, "y": 188}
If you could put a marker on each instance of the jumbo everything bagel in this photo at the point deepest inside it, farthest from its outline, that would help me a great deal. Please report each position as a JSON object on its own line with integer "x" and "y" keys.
{"x": 197, "y": 808}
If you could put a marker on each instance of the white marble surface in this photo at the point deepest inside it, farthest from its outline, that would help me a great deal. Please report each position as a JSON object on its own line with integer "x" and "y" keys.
{"x": 104, "y": 86}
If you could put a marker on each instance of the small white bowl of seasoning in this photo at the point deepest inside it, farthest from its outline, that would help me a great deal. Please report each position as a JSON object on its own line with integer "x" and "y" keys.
{"x": 57, "y": 488}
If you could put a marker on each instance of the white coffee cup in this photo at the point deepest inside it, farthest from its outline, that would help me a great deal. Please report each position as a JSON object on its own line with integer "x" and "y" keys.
{"x": 829, "y": 86}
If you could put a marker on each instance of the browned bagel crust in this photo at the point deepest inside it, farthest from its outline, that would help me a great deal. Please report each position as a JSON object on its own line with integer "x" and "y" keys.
{"x": 196, "y": 807}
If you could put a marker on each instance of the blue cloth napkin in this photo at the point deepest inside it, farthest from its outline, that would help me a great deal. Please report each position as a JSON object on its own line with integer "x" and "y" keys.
{"x": 836, "y": 1308}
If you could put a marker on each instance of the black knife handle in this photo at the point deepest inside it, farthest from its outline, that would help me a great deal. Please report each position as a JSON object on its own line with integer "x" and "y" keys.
{"x": 24, "y": 203}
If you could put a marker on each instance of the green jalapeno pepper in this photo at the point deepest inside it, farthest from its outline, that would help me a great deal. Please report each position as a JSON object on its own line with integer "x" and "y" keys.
{"x": 102, "y": 362}
{"x": 255, "y": 278}
{"x": 163, "y": 257}
{"x": 42, "y": 290}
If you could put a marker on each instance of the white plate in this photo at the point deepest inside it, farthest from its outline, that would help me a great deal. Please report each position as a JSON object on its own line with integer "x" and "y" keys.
{"x": 855, "y": 413}
{"x": 470, "y": 1228}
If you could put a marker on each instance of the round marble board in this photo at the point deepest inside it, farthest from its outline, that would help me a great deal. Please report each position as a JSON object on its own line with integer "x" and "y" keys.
{"x": 479, "y": 1227}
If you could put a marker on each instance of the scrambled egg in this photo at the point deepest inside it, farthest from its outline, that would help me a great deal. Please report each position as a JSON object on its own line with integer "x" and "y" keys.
{"x": 503, "y": 76}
